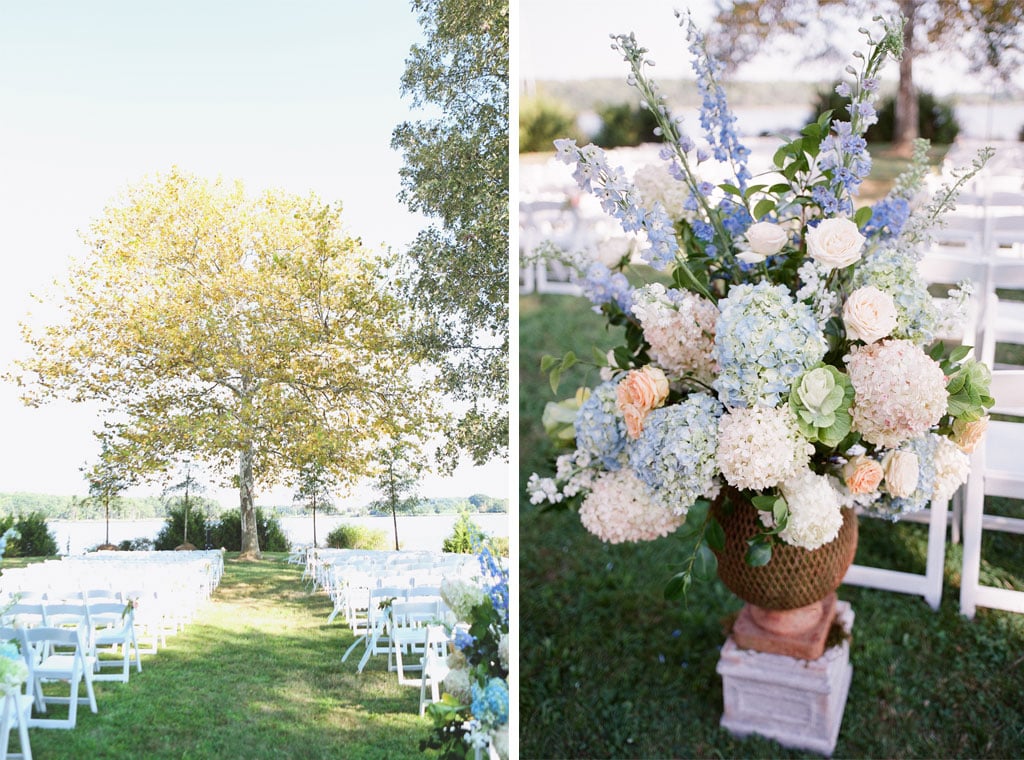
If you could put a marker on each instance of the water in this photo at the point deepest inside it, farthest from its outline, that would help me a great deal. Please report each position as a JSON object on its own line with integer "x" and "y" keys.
{"x": 414, "y": 532}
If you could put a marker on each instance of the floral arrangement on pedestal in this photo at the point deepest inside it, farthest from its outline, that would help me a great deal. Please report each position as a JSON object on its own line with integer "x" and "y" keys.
{"x": 472, "y": 717}
{"x": 781, "y": 347}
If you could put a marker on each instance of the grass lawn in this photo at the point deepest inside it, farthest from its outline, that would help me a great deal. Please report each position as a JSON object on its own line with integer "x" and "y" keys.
{"x": 258, "y": 674}
{"x": 608, "y": 668}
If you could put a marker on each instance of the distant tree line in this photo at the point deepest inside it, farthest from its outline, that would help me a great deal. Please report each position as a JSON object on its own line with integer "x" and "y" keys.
{"x": 82, "y": 508}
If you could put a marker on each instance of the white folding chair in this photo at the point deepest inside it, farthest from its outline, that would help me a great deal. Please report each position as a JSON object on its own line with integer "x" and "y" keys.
{"x": 73, "y": 666}
{"x": 435, "y": 665}
{"x": 408, "y": 634}
{"x": 16, "y": 713}
{"x": 112, "y": 625}
{"x": 376, "y": 636}
{"x": 996, "y": 470}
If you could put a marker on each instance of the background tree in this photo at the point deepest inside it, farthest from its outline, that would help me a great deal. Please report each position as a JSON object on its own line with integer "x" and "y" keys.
{"x": 107, "y": 479}
{"x": 401, "y": 466}
{"x": 456, "y": 172}
{"x": 206, "y": 321}
{"x": 314, "y": 491}
{"x": 187, "y": 486}
{"x": 989, "y": 33}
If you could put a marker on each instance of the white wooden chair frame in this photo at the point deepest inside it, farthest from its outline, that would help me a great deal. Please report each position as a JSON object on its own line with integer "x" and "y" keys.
{"x": 999, "y": 473}
{"x": 113, "y": 625}
{"x": 73, "y": 667}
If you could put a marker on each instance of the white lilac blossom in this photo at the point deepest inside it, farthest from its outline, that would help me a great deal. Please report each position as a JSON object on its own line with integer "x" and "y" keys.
{"x": 759, "y": 448}
{"x": 620, "y": 508}
{"x": 656, "y": 184}
{"x": 763, "y": 342}
{"x": 680, "y": 328}
{"x": 675, "y": 454}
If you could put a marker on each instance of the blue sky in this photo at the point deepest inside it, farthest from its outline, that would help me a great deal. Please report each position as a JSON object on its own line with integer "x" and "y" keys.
{"x": 96, "y": 96}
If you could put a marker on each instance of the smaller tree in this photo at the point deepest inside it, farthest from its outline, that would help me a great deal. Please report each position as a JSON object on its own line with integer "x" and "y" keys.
{"x": 398, "y": 480}
{"x": 188, "y": 486}
{"x": 314, "y": 491}
{"x": 107, "y": 480}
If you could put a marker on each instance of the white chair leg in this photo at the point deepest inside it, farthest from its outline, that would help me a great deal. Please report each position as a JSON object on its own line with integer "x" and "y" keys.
{"x": 971, "y": 571}
{"x": 936, "y": 560}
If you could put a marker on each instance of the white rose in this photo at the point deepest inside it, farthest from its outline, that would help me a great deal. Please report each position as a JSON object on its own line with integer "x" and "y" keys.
{"x": 901, "y": 472}
{"x": 766, "y": 239}
{"x": 869, "y": 314}
{"x": 836, "y": 243}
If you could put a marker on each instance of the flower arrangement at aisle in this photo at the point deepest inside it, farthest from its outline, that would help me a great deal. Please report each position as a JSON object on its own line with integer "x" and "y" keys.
{"x": 472, "y": 716}
{"x": 781, "y": 349}
{"x": 13, "y": 670}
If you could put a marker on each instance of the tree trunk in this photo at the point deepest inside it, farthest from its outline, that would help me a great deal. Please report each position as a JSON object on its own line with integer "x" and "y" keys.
{"x": 905, "y": 123}
{"x": 250, "y": 539}
{"x": 394, "y": 518}
{"x": 314, "y": 521}
{"x": 106, "y": 511}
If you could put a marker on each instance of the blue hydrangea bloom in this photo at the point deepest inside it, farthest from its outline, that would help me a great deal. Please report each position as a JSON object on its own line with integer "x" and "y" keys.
{"x": 490, "y": 703}
{"x": 675, "y": 454}
{"x": 763, "y": 342}
{"x": 600, "y": 430}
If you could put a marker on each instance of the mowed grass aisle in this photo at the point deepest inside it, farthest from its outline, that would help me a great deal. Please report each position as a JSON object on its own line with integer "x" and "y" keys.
{"x": 258, "y": 674}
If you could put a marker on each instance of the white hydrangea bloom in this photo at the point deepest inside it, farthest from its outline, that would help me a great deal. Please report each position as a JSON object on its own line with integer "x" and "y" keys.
{"x": 952, "y": 466}
{"x": 759, "y": 448}
{"x": 815, "y": 516}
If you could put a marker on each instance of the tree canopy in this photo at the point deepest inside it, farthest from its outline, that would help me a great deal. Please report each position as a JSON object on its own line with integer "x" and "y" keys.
{"x": 240, "y": 329}
{"x": 456, "y": 172}
{"x": 989, "y": 33}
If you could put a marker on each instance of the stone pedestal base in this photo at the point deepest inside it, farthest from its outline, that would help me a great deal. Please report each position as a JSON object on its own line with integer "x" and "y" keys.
{"x": 798, "y": 703}
{"x": 799, "y": 633}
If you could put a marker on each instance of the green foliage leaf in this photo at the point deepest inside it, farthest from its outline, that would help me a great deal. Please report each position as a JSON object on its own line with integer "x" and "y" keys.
{"x": 862, "y": 216}
{"x": 759, "y": 554}
{"x": 763, "y": 207}
{"x": 764, "y": 502}
{"x": 715, "y": 535}
{"x": 705, "y": 566}
{"x": 678, "y": 586}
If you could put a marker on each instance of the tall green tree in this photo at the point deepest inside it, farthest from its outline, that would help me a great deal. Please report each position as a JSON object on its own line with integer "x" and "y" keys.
{"x": 456, "y": 173}
{"x": 107, "y": 479}
{"x": 989, "y": 33}
{"x": 204, "y": 320}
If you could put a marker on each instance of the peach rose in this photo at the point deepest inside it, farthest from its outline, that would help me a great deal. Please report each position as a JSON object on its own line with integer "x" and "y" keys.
{"x": 901, "y": 473}
{"x": 836, "y": 243}
{"x": 640, "y": 391}
{"x": 967, "y": 435}
{"x": 862, "y": 474}
{"x": 869, "y": 314}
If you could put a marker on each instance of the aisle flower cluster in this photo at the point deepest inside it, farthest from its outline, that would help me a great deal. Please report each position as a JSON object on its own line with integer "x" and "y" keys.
{"x": 13, "y": 670}
{"x": 473, "y": 713}
{"x": 781, "y": 347}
